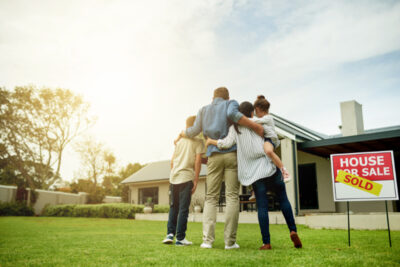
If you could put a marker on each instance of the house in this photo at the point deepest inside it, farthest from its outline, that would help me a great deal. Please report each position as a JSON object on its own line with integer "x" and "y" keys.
{"x": 306, "y": 154}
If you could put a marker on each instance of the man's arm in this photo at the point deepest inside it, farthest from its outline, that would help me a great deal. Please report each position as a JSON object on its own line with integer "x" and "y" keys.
{"x": 196, "y": 128}
{"x": 257, "y": 128}
{"x": 197, "y": 167}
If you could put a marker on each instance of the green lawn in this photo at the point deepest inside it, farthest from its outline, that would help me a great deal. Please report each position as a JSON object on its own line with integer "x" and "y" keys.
{"x": 52, "y": 241}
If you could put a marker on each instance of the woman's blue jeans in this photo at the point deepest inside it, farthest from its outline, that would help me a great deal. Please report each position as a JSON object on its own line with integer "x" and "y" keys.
{"x": 274, "y": 184}
{"x": 179, "y": 209}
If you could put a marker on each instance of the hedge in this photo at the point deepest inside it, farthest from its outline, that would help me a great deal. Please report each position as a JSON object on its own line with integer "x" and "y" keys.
{"x": 119, "y": 210}
{"x": 115, "y": 210}
{"x": 15, "y": 209}
{"x": 161, "y": 209}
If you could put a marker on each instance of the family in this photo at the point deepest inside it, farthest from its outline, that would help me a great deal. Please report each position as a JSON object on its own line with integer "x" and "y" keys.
{"x": 239, "y": 150}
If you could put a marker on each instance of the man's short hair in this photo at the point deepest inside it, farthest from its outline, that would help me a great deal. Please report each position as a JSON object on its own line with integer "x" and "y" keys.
{"x": 190, "y": 121}
{"x": 221, "y": 92}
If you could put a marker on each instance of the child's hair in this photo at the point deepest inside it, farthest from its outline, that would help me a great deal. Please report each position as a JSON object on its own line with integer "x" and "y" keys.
{"x": 246, "y": 108}
{"x": 221, "y": 92}
{"x": 262, "y": 103}
{"x": 190, "y": 121}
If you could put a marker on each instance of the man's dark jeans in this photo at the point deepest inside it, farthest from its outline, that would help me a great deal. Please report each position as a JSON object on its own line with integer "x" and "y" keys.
{"x": 275, "y": 184}
{"x": 179, "y": 209}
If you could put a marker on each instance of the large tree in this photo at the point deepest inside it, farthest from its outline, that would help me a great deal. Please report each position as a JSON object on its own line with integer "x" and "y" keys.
{"x": 36, "y": 125}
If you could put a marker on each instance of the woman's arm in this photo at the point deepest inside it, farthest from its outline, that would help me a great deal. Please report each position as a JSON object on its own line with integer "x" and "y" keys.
{"x": 229, "y": 140}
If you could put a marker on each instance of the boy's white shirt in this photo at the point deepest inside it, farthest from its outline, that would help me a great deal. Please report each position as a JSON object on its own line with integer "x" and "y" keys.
{"x": 268, "y": 124}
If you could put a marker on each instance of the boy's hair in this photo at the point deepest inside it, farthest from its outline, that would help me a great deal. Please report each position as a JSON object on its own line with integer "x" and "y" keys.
{"x": 246, "y": 108}
{"x": 221, "y": 92}
{"x": 190, "y": 121}
{"x": 262, "y": 103}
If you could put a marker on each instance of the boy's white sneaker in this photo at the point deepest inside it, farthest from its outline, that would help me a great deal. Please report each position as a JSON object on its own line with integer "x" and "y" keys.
{"x": 205, "y": 245}
{"x": 183, "y": 242}
{"x": 169, "y": 239}
{"x": 234, "y": 246}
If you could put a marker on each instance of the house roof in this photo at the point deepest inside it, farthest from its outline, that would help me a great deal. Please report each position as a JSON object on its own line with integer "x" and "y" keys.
{"x": 155, "y": 171}
{"x": 372, "y": 140}
{"x": 295, "y": 131}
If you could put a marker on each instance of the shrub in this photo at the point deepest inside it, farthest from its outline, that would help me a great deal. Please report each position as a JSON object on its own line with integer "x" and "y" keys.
{"x": 15, "y": 209}
{"x": 161, "y": 209}
{"x": 115, "y": 210}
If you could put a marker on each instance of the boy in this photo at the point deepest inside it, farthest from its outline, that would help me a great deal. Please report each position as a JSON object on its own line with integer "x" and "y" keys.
{"x": 185, "y": 170}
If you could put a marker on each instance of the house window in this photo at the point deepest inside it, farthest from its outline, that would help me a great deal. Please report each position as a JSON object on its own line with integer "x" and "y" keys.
{"x": 308, "y": 186}
{"x": 145, "y": 193}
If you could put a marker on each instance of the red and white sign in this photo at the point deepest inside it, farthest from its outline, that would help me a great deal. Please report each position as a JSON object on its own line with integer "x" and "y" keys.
{"x": 364, "y": 176}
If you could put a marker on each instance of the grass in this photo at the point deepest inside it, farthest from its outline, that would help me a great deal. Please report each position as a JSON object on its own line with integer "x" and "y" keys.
{"x": 54, "y": 241}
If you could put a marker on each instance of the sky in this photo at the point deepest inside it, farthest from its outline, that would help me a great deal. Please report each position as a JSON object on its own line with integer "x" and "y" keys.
{"x": 145, "y": 66}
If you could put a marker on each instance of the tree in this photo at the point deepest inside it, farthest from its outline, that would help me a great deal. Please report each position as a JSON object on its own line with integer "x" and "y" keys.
{"x": 96, "y": 162}
{"x": 110, "y": 159}
{"x": 125, "y": 173}
{"x": 92, "y": 156}
{"x": 35, "y": 127}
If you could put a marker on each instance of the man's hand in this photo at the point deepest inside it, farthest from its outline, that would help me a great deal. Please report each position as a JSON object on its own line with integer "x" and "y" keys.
{"x": 204, "y": 160}
{"x": 194, "y": 187}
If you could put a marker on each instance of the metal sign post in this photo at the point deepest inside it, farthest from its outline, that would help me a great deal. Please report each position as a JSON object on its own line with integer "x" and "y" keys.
{"x": 348, "y": 222}
{"x": 387, "y": 219}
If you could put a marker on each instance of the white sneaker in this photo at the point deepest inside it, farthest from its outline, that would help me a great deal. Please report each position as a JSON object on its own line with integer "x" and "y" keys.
{"x": 169, "y": 239}
{"x": 183, "y": 242}
{"x": 234, "y": 246}
{"x": 205, "y": 245}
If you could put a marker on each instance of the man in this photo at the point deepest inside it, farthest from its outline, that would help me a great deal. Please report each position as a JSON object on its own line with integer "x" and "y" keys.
{"x": 214, "y": 120}
{"x": 257, "y": 169}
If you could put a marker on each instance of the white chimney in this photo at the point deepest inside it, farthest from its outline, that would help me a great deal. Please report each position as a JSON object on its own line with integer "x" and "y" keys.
{"x": 352, "y": 118}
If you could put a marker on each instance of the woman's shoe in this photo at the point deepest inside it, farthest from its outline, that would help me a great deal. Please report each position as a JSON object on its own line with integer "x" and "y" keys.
{"x": 265, "y": 247}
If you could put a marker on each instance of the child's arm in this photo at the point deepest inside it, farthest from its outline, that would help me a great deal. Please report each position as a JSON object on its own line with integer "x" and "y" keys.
{"x": 267, "y": 119}
{"x": 177, "y": 139}
{"x": 197, "y": 167}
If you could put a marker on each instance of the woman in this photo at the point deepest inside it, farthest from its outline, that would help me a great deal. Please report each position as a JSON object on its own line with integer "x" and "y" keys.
{"x": 255, "y": 168}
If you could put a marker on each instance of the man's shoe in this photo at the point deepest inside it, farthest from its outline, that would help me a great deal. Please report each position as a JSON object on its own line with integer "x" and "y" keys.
{"x": 205, "y": 245}
{"x": 234, "y": 246}
{"x": 295, "y": 239}
{"x": 265, "y": 247}
{"x": 183, "y": 242}
{"x": 169, "y": 239}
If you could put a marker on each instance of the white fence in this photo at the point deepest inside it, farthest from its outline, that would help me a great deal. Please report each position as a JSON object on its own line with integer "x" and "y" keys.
{"x": 8, "y": 194}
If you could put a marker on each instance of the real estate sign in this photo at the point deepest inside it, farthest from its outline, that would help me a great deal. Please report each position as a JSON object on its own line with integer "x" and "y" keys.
{"x": 364, "y": 176}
